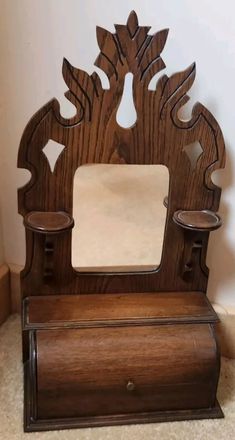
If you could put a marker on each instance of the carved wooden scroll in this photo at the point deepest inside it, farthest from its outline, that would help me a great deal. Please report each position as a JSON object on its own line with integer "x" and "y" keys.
{"x": 93, "y": 135}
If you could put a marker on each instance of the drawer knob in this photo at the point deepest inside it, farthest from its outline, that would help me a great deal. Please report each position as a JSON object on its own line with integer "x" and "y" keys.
{"x": 130, "y": 386}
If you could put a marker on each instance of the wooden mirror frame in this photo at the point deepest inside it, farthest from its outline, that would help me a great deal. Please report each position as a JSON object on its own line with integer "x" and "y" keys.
{"x": 93, "y": 135}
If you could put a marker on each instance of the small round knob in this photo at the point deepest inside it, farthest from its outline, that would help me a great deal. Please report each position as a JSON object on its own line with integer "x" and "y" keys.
{"x": 130, "y": 386}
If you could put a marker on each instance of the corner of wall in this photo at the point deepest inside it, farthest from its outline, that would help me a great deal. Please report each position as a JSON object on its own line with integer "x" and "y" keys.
{"x": 5, "y": 297}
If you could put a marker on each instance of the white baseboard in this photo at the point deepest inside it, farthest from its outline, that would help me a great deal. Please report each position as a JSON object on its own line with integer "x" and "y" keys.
{"x": 226, "y": 328}
{"x": 15, "y": 287}
{"x": 5, "y": 298}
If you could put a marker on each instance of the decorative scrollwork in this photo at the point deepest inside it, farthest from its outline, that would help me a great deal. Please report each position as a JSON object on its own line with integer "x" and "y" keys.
{"x": 130, "y": 49}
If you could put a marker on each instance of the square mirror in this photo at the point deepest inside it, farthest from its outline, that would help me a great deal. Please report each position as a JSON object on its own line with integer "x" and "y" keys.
{"x": 119, "y": 217}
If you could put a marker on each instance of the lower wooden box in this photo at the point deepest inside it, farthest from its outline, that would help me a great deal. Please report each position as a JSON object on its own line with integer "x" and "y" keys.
{"x": 113, "y": 374}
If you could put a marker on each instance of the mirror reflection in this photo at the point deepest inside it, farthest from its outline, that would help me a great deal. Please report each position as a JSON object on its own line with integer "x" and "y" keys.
{"x": 119, "y": 217}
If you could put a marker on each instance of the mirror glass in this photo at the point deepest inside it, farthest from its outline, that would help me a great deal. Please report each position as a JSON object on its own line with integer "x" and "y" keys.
{"x": 119, "y": 217}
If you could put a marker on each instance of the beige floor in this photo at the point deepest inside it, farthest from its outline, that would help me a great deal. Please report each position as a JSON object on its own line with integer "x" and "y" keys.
{"x": 11, "y": 406}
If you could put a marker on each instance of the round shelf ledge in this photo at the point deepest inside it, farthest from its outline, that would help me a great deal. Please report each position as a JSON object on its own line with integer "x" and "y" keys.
{"x": 197, "y": 220}
{"x": 48, "y": 222}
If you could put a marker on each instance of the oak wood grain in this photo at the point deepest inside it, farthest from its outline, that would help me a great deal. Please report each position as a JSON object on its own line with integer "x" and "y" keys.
{"x": 117, "y": 309}
{"x": 198, "y": 220}
{"x": 82, "y": 372}
{"x": 48, "y": 222}
{"x": 94, "y": 136}
{"x": 116, "y": 373}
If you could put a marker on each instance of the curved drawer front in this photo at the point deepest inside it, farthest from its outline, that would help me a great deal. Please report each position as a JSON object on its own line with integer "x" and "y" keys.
{"x": 119, "y": 370}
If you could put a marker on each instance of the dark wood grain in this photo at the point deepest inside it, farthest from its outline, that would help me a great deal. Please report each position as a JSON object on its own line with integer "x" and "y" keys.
{"x": 94, "y": 136}
{"x": 123, "y": 419}
{"x": 85, "y": 373}
{"x": 117, "y": 309}
{"x": 48, "y": 222}
{"x": 113, "y": 348}
{"x": 198, "y": 220}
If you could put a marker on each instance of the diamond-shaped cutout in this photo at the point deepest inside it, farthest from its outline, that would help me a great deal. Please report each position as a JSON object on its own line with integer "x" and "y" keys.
{"x": 193, "y": 151}
{"x": 52, "y": 151}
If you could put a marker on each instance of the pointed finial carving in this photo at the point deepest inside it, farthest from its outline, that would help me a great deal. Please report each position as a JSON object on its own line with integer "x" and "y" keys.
{"x": 132, "y": 23}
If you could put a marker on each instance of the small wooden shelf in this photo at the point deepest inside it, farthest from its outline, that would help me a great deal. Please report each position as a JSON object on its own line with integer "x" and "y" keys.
{"x": 96, "y": 310}
{"x": 197, "y": 220}
{"x": 48, "y": 222}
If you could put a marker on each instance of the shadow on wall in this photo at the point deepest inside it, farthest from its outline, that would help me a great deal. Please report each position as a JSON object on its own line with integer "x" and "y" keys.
{"x": 221, "y": 255}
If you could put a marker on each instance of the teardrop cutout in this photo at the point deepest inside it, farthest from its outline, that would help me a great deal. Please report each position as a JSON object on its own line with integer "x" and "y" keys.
{"x": 126, "y": 114}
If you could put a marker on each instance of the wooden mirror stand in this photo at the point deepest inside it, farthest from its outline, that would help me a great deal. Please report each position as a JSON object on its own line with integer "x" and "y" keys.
{"x": 116, "y": 348}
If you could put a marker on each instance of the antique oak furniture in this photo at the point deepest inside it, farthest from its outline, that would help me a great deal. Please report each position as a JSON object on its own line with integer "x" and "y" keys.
{"x": 122, "y": 347}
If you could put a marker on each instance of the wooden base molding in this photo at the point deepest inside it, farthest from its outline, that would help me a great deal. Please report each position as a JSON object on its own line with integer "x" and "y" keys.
{"x": 5, "y": 300}
{"x": 31, "y": 424}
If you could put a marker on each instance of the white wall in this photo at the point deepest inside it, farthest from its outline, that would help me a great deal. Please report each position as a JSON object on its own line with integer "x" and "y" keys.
{"x": 1, "y": 243}
{"x": 2, "y": 259}
{"x": 35, "y": 35}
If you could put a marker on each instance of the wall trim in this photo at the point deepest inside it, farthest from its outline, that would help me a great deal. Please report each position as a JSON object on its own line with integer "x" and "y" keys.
{"x": 15, "y": 291}
{"x": 226, "y": 328}
{"x": 5, "y": 297}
